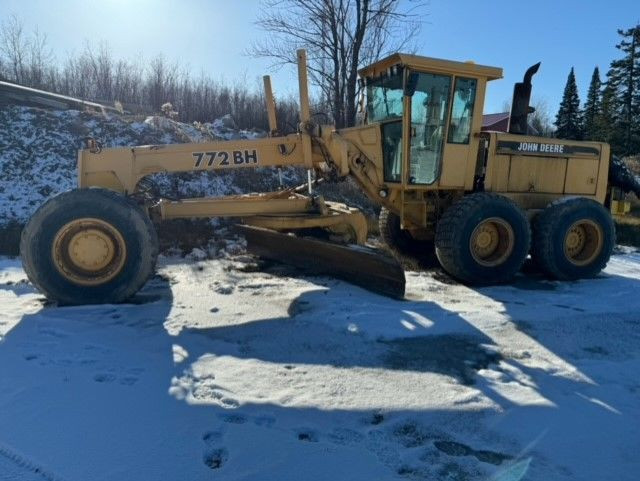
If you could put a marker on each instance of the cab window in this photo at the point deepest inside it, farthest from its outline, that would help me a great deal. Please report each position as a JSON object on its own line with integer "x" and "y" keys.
{"x": 384, "y": 98}
{"x": 429, "y": 110}
{"x": 464, "y": 97}
{"x": 385, "y": 105}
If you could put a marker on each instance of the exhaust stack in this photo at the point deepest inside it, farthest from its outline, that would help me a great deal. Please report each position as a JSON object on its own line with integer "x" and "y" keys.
{"x": 520, "y": 108}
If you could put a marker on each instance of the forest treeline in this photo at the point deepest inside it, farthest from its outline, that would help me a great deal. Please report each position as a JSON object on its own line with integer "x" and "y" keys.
{"x": 94, "y": 74}
{"x": 611, "y": 111}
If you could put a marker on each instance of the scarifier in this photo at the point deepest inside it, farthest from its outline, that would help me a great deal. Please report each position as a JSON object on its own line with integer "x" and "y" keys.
{"x": 482, "y": 201}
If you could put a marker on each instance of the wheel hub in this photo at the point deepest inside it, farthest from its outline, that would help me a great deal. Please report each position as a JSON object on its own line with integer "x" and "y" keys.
{"x": 492, "y": 242}
{"x": 575, "y": 239}
{"x": 89, "y": 251}
{"x": 487, "y": 238}
{"x": 583, "y": 242}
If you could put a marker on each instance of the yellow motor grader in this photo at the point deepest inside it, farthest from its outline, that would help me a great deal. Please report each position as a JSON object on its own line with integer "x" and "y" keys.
{"x": 483, "y": 201}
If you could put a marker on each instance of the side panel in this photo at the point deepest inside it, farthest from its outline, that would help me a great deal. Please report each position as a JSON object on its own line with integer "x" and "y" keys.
{"x": 497, "y": 175}
{"x": 367, "y": 139}
{"x": 454, "y": 165}
{"x": 582, "y": 176}
{"x": 534, "y": 171}
{"x": 537, "y": 174}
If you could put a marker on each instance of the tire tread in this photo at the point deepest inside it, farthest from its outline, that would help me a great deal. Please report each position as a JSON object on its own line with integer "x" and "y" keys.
{"x": 448, "y": 234}
{"x": 400, "y": 242}
{"x": 33, "y": 228}
{"x": 544, "y": 226}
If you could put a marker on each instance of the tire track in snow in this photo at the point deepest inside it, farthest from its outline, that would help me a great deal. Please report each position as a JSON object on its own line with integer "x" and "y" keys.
{"x": 25, "y": 465}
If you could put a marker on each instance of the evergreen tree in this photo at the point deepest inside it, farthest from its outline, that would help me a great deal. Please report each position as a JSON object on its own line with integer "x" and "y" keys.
{"x": 626, "y": 73}
{"x": 569, "y": 119}
{"x": 592, "y": 107}
{"x": 607, "y": 118}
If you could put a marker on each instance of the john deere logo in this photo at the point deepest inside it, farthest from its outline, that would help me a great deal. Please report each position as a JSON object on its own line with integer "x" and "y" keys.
{"x": 535, "y": 147}
{"x": 511, "y": 147}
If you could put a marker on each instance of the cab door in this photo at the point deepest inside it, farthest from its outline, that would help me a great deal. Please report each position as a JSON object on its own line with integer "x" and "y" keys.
{"x": 429, "y": 112}
{"x": 461, "y": 149}
{"x": 442, "y": 109}
{"x": 385, "y": 105}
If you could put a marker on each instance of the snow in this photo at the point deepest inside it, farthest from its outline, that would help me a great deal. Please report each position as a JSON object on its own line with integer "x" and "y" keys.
{"x": 217, "y": 372}
{"x": 38, "y": 155}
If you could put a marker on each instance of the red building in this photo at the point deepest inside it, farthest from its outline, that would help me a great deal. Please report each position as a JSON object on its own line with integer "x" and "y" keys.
{"x": 500, "y": 123}
{"x": 496, "y": 122}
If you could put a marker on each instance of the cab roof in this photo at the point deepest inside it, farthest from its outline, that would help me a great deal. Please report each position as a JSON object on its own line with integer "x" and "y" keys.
{"x": 430, "y": 64}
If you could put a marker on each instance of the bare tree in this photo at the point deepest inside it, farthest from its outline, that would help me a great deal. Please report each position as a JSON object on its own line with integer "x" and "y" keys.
{"x": 14, "y": 46}
{"x": 162, "y": 81}
{"x": 39, "y": 60}
{"x": 138, "y": 86}
{"x": 101, "y": 65}
{"x": 540, "y": 119}
{"x": 340, "y": 36}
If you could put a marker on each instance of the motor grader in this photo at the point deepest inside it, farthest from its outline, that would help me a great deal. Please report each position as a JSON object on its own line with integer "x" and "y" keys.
{"x": 483, "y": 201}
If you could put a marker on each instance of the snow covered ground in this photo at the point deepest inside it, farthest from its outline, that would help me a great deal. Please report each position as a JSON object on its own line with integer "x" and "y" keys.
{"x": 217, "y": 372}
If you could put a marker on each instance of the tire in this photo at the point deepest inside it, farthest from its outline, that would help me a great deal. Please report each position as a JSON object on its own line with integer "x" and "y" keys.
{"x": 573, "y": 239}
{"x": 483, "y": 239}
{"x": 401, "y": 242}
{"x": 125, "y": 256}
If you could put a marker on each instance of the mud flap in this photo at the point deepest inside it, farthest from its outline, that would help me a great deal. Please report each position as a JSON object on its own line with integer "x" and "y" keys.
{"x": 358, "y": 265}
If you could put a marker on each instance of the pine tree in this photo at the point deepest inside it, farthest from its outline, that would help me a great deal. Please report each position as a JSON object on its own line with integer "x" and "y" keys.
{"x": 569, "y": 119}
{"x": 626, "y": 73}
{"x": 607, "y": 118}
{"x": 592, "y": 107}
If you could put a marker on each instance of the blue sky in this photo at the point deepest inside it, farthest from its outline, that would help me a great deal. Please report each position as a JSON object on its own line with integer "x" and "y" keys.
{"x": 211, "y": 36}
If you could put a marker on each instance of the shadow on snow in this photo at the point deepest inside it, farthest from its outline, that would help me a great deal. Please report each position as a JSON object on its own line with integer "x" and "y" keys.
{"x": 131, "y": 347}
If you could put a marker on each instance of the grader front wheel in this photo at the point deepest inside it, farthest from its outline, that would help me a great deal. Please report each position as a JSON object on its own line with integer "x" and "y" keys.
{"x": 89, "y": 251}
{"x": 401, "y": 243}
{"x": 483, "y": 239}
{"x": 89, "y": 246}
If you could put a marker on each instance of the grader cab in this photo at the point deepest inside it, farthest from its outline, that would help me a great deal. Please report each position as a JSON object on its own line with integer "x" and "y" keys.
{"x": 443, "y": 186}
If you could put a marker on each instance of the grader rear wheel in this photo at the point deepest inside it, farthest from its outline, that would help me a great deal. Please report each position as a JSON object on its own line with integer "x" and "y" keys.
{"x": 483, "y": 239}
{"x": 491, "y": 242}
{"x": 89, "y": 246}
{"x": 583, "y": 242}
{"x": 573, "y": 239}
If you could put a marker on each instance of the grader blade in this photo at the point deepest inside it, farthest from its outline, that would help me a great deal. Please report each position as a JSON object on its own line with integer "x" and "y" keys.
{"x": 358, "y": 265}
